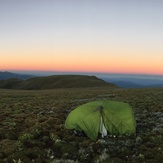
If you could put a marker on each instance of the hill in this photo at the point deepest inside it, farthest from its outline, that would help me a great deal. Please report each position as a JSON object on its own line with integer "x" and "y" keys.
{"x": 56, "y": 81}
{"x": 8, "y": 75}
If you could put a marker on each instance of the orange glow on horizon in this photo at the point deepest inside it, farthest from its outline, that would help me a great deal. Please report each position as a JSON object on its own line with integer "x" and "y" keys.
{"x": 70, "y": 59}
{"x": 93, "y": 69}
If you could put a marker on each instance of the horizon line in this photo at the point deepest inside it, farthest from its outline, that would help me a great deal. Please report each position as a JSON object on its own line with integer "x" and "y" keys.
{"x": 80, "y": 72}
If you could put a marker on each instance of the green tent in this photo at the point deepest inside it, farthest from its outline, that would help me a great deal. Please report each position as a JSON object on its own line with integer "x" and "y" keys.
{"x": 105, "y": 117}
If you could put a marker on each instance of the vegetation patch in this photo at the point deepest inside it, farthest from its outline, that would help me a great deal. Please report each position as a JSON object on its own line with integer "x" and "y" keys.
{"x": 32, "y": 127}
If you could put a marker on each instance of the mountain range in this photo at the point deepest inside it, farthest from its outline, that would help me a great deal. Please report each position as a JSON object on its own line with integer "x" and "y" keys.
{"x": 134, "y": 82}
{"x": 9, "y": 79}
{"x": 8, "y": 75}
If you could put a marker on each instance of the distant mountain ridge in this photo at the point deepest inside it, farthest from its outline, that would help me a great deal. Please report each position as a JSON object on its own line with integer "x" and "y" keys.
{"x": 135, "y": 82}
{"x": 56, "y": 81}
{"x": 124, "y": 82}
{"x": 8, "y": 75}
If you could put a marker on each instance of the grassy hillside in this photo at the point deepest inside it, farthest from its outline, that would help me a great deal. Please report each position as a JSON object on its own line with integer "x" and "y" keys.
{"x": 10, "y": 83}
{"x": 57, "y": 81}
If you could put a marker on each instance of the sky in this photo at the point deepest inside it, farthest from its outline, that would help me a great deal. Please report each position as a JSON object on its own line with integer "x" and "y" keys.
{"x": 107, "y": 36}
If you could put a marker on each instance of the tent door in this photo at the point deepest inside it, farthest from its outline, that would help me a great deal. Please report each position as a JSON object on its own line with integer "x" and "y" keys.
{"x": 103, "y": 130}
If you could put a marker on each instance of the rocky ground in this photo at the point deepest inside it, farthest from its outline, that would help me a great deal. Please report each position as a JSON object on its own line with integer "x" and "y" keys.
{"x": 32, "y": 127}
